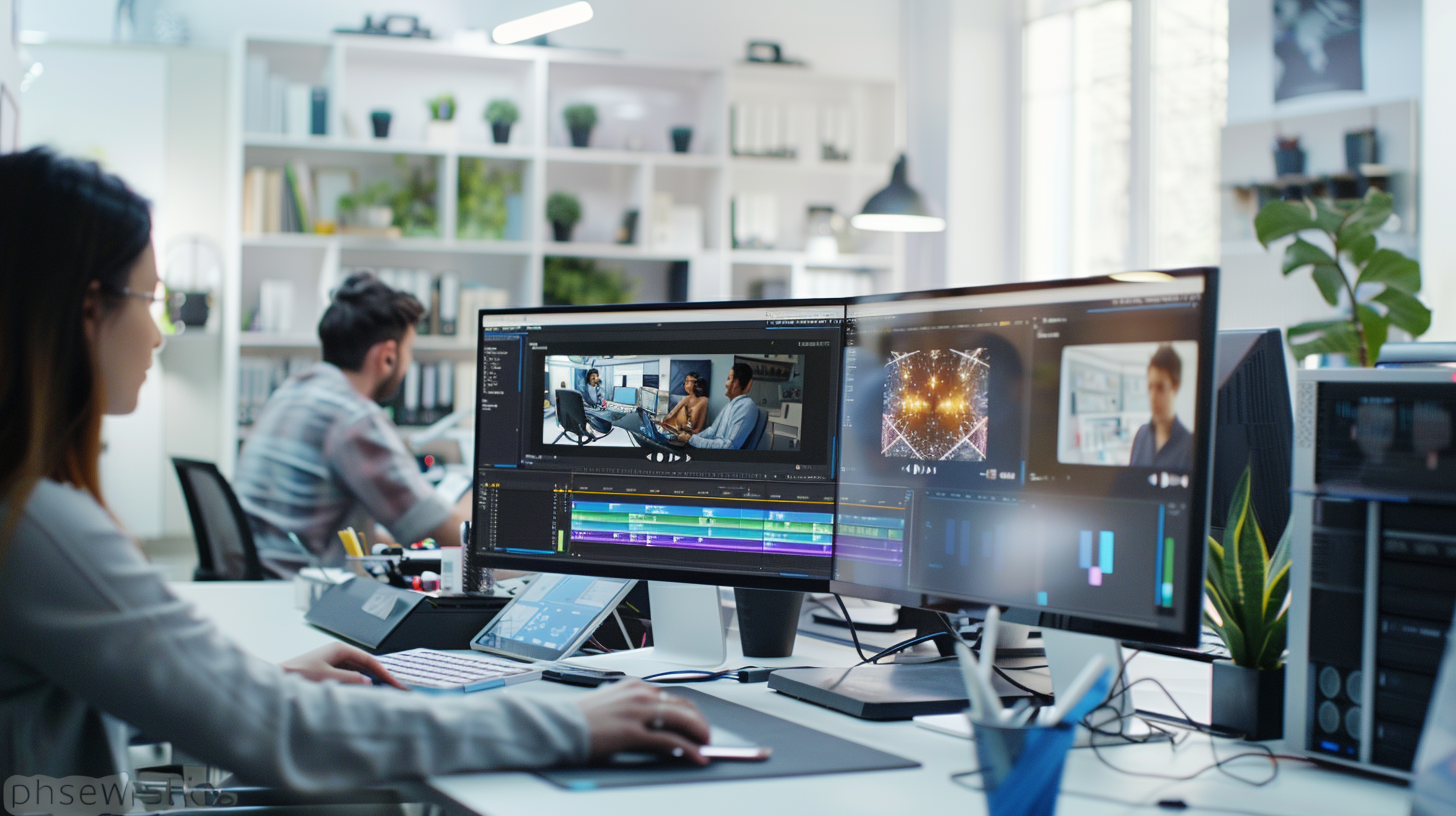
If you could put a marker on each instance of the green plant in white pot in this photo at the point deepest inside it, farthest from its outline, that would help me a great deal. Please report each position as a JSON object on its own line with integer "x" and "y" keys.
{"x": 1248, "y": 600}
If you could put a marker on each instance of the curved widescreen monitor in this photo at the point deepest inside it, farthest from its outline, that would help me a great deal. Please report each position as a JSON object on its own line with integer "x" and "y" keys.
{"x": 724, "y": 476}
{"x": 1039, "y": 446}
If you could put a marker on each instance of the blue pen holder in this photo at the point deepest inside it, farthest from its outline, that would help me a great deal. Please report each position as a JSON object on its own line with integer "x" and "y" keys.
{"x": 1022, "y": 767}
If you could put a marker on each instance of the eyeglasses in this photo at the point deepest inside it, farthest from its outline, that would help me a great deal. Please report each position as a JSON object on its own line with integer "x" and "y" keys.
{"x": 149, "y": 298}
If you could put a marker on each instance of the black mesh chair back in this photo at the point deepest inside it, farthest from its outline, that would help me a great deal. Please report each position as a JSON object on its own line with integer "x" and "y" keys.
{"x": 225, "y": 549}
{"x": 571, "y": 413}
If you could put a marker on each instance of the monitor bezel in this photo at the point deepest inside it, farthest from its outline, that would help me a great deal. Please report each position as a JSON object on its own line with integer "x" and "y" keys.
{"x": 1188, "y": 635}
{"x": 532, "y": 563}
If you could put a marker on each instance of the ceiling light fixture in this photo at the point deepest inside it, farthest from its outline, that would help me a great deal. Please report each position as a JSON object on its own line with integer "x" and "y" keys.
{"x": 897, "y": 208}
{"x": 537, "y": 25}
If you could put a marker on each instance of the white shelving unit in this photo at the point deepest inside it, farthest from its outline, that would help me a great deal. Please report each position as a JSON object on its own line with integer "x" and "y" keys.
{"x": 630, "y": 165}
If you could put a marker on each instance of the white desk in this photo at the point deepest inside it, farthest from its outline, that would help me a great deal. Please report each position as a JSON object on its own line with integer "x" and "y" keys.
{"x": 261, "y": 617}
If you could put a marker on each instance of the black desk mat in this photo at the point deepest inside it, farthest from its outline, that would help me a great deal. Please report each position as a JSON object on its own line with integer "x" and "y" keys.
{"x": 797, "y": 751}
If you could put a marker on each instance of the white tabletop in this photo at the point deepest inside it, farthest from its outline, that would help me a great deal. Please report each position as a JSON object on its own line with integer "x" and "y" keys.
{"x": 262, "y": 618}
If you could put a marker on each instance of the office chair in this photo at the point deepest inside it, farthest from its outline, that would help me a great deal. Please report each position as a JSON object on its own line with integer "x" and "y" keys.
{"x": 751, "y": 443}
{"x": 571, "y": 414}
{"x": 225, "y": 549}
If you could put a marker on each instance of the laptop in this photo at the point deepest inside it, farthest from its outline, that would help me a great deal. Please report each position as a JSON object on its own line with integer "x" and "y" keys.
{"x": 547, "y": 621}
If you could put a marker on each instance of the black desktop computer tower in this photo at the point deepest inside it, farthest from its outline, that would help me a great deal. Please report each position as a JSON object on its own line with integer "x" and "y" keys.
{"x": 1373, "y": 576}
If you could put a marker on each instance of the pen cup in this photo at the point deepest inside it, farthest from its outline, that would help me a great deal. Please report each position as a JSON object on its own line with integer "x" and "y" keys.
{"x": 1022, "y": 767}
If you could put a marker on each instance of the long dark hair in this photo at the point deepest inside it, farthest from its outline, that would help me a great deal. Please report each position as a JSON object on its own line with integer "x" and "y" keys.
{"x": 64, "y": 225}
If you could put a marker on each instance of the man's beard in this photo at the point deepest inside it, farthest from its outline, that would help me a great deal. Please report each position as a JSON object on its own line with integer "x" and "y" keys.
{"x": 390, "y": 387}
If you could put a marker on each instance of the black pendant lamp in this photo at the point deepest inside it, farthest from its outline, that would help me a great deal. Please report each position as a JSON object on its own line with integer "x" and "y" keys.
{"x": 897, "y": 208}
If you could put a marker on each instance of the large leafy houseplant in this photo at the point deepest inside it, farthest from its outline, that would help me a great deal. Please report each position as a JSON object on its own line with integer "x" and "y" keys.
{"x": 1377, "y": 287}
{"x": 579, "y": 282}
{"x": 1248, "y": 588}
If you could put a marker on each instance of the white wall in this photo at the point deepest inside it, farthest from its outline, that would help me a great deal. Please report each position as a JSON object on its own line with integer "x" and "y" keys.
{"x": 852, "y": 37}
{"x": 1438, "y": 169}
{"x": 1391, "y": 45}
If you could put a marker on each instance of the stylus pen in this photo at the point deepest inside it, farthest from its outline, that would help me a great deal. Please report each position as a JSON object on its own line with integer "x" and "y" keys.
{"x": 1068, "y": 701}
{"x": 985, "y": 705}
{"x": 989, "y": 631}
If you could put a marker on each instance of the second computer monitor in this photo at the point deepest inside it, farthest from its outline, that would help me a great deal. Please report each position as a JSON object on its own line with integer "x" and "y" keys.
{"x": 577, "y": 473}
{"x": 1043, "y": 447}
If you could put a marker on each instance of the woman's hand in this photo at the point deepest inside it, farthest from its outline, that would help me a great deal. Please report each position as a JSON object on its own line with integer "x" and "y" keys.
{"x": 340, "y": 663}
{"x": 633, "y": 716}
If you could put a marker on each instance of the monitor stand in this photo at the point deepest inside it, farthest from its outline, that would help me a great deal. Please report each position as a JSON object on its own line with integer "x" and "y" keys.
{"x": 1116, "y": 723}
{"x": 687, "y": 625}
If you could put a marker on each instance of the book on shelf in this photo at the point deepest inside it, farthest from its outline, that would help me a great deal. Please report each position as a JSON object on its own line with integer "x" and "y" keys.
{"x": 428, "y": 393}
{"x": 278, "y": 199}
{"x": 274, "y": 104}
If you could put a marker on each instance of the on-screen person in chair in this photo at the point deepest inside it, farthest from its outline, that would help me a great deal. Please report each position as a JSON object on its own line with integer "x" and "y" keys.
{"x": 735, "y": 423}
{"x": 594, "y": 394}
{"x": 1163, "y": 442}
{"x": 691, "y": 414}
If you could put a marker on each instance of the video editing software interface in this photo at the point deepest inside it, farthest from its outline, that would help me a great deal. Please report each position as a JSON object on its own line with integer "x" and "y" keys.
{"x": 1032, "y": 448}
{"x": 691, "y": 439}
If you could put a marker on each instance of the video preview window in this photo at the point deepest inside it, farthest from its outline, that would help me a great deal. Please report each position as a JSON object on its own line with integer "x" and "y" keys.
{"x": 1128, "y": 404}
{"x": 936, "y": 403}
{"x": 674, "y": 404}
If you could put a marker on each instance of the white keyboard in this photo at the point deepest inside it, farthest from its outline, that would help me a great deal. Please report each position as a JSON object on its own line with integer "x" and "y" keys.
{"x": 431, "y": 670}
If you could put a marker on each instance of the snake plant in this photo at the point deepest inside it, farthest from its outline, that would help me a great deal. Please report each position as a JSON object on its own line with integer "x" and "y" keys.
{"x": 1248, "y": 589}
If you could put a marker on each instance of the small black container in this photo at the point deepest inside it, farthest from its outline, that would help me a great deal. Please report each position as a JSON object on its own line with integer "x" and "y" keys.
{"x": 1289, "y": 161}
{"x": 1248, "y": 700}
{"x": 562, "y": 230}
{"x": 501, "y": 132}
{"x": 768, "y": 621}
{"x": 190, "y": 308}
{"x": 682, "y": 138}
{"x": 581, "y": 136}
{"x": 380, "y": 119}
{"x": 1360, "y": 148}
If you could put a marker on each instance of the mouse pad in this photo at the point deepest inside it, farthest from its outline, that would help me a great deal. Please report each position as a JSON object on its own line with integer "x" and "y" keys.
{"x": 797, "y": 751}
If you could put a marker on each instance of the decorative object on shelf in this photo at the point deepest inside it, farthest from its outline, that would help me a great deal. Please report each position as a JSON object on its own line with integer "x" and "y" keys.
{"x": 579, "y": 282}
{"x": 1248, "y": 589}
{"x": 489, "y": 201}
{"x": 414, "y": 200}
{"x": 676, "y": 227}
{"x": 368, "y": 211}
{"x": 627, "y": 233}
{"x": 580, "y": 119}
{"x": 392, "y": 25}
{"x": 1382, "y": 292}
{"x": 823, "y": 231}
{"x": 682, "y": 138}
{"x": 836, "y": 129}
{"x": 329, "y": 184}
{"x": 771, "y": 53}
{"x": 898, "y": 207}
{"x": 1360, "y": 148}
{"x": 754, "y": 218}
{"x": 380, "y": 120}
{"x": 763, "y": 129}
{"x": 192, "y": 272}
{"x": 442, "y": 128}
{"x": 501, "y": 114}
{"x": 563, "y": 210}
{"x": 1288, "y": 156}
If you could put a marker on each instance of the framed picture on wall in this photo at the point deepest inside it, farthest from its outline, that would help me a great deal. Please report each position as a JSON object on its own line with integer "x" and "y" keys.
{"x": 9, "y": 121}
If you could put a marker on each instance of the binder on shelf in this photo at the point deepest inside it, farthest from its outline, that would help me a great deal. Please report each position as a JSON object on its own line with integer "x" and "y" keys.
{"x": 448, "y": 303}
{"x": 445, "y": 386}
{"x": 318, "y": 111}
{"x": 298, "y": 116}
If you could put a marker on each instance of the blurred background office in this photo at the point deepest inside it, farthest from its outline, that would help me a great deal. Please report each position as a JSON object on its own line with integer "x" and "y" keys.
{"x": 727, "y": 148}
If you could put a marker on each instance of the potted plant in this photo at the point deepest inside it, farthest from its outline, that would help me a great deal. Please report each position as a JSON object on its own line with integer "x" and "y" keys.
{"x": 563, "y": 210}
{"x": 1288, "y": 157}
{"x": 368, "y": 211}
{"x": 1249, "y": 592}
{"x": 501, "y": 114}
{"x": 380, "y": 120}
{"x": 1378, "y": 286}
{"x": 682, "y": 137}
{"x": 580, "y": 119}
{"x": 578, "y": 282}
{"x": 441, "y": 129}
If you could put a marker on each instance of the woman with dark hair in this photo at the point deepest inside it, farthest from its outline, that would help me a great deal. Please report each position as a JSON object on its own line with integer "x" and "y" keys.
{"x": 1163, "y": 442}
{"x": 94, "y": 641}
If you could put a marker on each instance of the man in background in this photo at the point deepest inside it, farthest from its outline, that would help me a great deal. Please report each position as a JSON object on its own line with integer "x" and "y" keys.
{"x": 323, "y": 455}
{"x": 735, "y": 423}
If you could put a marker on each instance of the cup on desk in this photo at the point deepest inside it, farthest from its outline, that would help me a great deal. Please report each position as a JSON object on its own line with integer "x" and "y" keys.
{"x": 1021, "y": 768}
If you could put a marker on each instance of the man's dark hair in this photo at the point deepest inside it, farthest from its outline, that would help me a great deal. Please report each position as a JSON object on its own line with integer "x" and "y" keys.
{"x": 743, "y": 373}
{"x": 1168, "y": 360}
{"x": 700, "y": 389}
{"x": 364, "y": 312}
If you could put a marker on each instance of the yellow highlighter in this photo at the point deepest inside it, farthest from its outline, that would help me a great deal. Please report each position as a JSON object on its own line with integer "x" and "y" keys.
{"x": 351, "y": 543}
